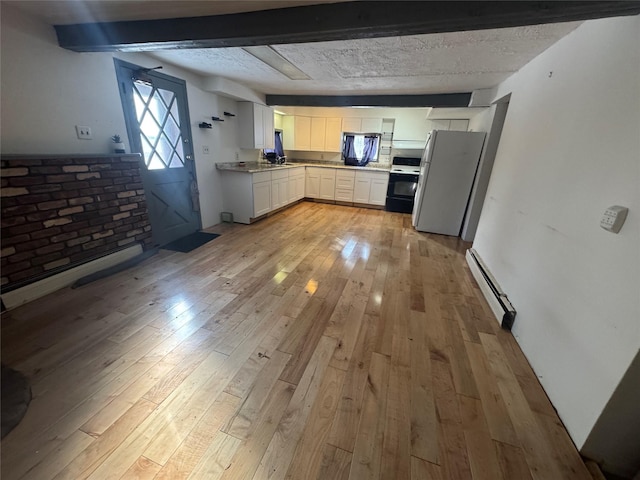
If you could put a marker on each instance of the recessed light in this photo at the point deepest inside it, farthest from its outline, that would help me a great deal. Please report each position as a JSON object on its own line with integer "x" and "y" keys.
{"x": 272, "y": 58}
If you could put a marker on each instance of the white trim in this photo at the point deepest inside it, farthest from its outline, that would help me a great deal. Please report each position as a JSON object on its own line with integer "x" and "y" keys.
{"x": 35, "y": 290}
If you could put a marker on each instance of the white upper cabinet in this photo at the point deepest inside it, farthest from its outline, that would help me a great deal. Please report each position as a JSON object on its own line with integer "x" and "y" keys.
{"x": 318, "y": 133}
{"x": 351, "y": 125}
{"x": 362, "y": 125}
{"x": 371, "y": 125}
{"x": 256, "y": 125}
{"x": 333, "y": 135}
{"x": 296, "y": 132}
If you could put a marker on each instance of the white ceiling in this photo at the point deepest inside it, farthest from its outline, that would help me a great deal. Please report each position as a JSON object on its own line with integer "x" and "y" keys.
{"x": 419, "y": 64}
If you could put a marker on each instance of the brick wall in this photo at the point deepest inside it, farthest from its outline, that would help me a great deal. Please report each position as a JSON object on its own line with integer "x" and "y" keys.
{"x": 58, "y": 212}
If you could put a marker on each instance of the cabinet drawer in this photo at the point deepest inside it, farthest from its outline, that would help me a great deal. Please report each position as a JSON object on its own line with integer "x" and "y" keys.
{"x": 344, "y": 194}
{"x": 344, "y": 183}
{"x": 279, "y": 174}
{"x": 345, "y": 173}
{"x": 261, "y": 177}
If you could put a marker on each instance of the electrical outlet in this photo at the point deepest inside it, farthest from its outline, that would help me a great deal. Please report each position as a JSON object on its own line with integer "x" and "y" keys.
{"x": 614, "y": 218}
{"x": 205, "y": 149}
{"x": 84, "y": 133}
{"x": 237, "y": 156}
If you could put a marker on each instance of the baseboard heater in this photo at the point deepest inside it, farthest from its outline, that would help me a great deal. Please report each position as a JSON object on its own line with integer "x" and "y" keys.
{"x": 498, "y": 301}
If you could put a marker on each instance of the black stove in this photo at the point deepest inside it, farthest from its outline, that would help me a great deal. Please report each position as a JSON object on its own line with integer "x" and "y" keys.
{"x": 403, "y": 180}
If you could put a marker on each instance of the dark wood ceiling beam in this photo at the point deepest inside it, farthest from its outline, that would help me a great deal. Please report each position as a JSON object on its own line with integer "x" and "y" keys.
{"x": 325, "y": 22}
{"x": 399, "y": 101}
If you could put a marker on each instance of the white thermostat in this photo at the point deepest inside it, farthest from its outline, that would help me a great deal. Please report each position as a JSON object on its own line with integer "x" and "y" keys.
{"x": 614, "y": 218}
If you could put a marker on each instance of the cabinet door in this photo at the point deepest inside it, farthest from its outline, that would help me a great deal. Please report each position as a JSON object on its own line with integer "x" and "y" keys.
{"x": 261, "y": 198}
{"x": 300, "y": 183}
{"x": 292, "y": 189}
{"x": 258, "y": 126}
{"x": 333, "y": 135}
{"x": 352, "y": 125}
{"x": 361, "y": 189}
{"x": 440, "y": 124}
{"x": 283, "y": 191}
{"x": 371, "y": 125}
{"x": 318, "y": 126}
{"x": 328, "y": 184}
{"x": 312, "y": 184}
{"x": 378, "y": 193}
{"x": 302, "y": 133}
{"x": 275, "y": 194}
{"x": 267, "y": 127}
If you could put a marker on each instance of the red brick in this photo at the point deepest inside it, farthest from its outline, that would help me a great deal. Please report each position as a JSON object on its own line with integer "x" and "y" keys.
{"x": 91, "y": 230}
{"x": 134, "y": 232}
{"x": 47, "y": 232}
{"x": 39, "y": 216}
{"x": 126, "y": 241}
{"x": 65, "y": 195}
{"x": 102, "y": 234}
{"x": 56, "y": 247}
{"x": 100, "y": 167}
{"x": 125, "y": 208}
{"x": 78, "y": 241}
{"x": 27, "y": 199}
{"x": 93, "y": 244}
{"x": 11, "y": 221}
{"x": 75, "y": 168}
{"x": 20, "y": 229}
{"x": 76, "y": 225}
{"x": 70, "y": 211}
{"x": 56, "y": 222}
{"x": 18, "y": 210}
{"x": 114, "y": 188}
{"x": 22, "y": 162}
{"x": 26, "y": 181}
{"x": 25, "y": 246}
{"x": 14, "y": 172}
{"x": 119, "y": 216}
{"x": 57, "y": 263}
{"x": 47, "y": 170}
{"x": 60, "y": 178}
{"x": 64, "y": 237}
{"x": 19, "y": 240}
{"x": 91, "y": 191}
{"x": 5, "y": 252}
{"x": 49, "y": 187}
{"x": 51, "y": 205}
{"x": 87, "y": 176}
{"x": 80, "y": 201}
{"x": 130, "y": 193}
{"x": 101, "y": 182}
{"x": 22, "y": 256}
{"x": 13, "y": 192}
{"x": 75, "y": 185}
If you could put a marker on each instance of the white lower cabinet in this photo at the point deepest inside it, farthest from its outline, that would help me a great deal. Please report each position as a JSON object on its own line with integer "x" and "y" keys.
{"x": 279, "y": 188}
{"x": 296, "y": 184}
{"x": 371, "y": 188}
{"x": 344, "y": 185}
{"x": 328, "y": 183}
{"x": 261, "y": 198}
{"x": 312, "y": 189}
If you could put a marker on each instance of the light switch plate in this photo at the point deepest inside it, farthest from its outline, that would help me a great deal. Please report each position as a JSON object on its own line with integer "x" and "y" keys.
{"x": 614, "y": 218}
{"x": 84, "y": 133}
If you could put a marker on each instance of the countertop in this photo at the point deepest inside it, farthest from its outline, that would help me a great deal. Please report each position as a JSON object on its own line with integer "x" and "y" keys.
{"x": 253, "y": 167}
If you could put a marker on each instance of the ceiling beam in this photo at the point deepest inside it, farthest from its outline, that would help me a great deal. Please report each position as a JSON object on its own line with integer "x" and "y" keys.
{"x": 443, "y": 100}
{"x": 325, "y": 22}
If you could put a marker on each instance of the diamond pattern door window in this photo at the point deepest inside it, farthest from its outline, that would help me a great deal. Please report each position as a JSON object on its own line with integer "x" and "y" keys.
{"x": 159, "y": 122}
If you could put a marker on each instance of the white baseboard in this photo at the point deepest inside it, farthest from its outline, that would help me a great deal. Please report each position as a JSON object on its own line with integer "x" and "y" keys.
{"x": 48, "y": 285}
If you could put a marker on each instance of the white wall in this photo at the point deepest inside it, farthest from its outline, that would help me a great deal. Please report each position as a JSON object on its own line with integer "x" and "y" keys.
{"x": 570, "y": 148}
{"x": 47, "y": 90}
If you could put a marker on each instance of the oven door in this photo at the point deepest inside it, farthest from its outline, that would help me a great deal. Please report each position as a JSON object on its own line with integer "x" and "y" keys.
{"x": 401, "y": 192}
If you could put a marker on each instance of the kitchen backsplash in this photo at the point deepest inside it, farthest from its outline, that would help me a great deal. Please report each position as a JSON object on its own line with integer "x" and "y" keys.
{"x": 323, "y": 156}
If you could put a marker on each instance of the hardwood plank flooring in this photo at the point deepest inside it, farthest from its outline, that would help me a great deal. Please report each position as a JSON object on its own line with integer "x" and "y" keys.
{"x": 323, "y": 342}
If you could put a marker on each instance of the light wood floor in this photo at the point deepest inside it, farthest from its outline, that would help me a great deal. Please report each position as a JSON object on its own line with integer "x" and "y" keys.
{"x": 324, "y": 342}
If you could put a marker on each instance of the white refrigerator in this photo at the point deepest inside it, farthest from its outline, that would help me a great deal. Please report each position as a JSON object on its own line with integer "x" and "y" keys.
{"x": 448, "y": 168}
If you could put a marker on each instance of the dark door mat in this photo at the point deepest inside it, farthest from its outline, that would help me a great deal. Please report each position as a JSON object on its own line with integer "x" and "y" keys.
{"x": 190, "y": 242}
{"x": 16, "y": 395}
